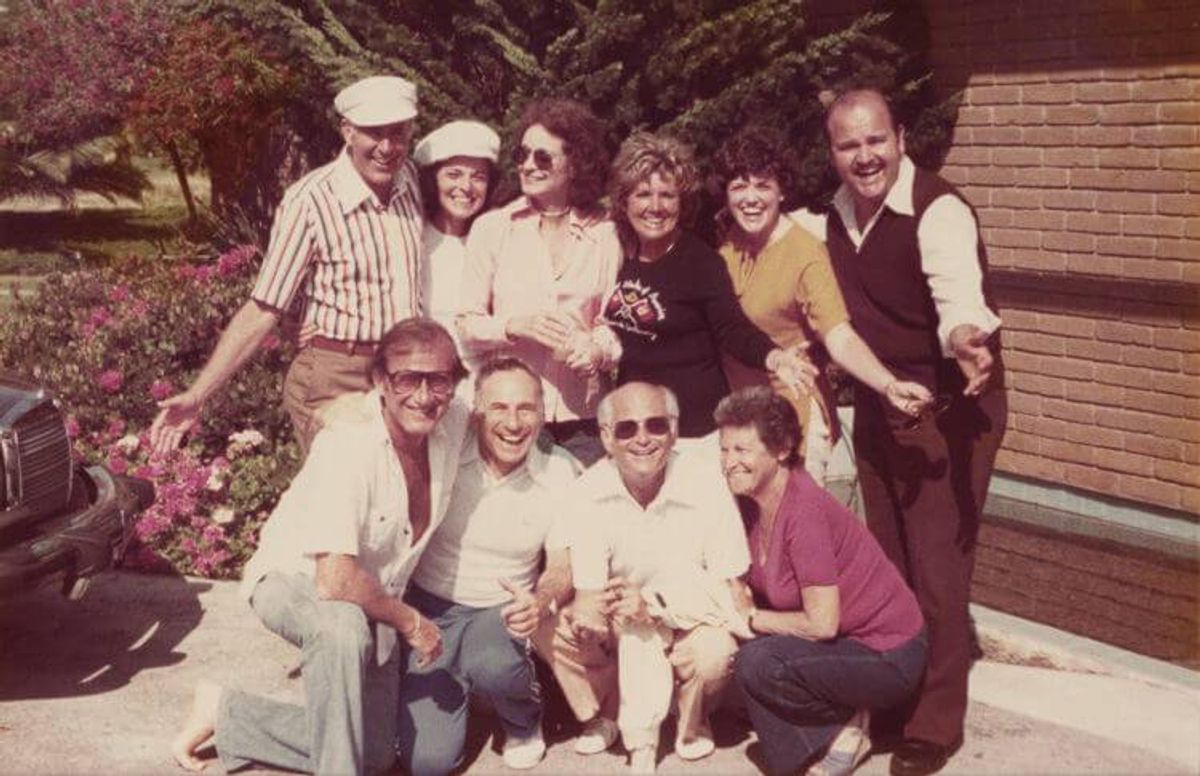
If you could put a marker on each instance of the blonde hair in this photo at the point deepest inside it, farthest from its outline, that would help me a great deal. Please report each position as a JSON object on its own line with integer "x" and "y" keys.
{"x": 641, "y": 156}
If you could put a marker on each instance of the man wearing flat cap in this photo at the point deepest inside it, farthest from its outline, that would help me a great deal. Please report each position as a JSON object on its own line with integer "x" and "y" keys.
{"x": 347, "y": 236}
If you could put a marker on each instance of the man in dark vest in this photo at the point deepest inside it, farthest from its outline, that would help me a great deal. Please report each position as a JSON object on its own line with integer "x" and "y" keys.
{"x": 905, "y": 247}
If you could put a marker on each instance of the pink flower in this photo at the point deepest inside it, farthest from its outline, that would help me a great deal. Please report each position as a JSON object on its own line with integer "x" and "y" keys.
{"x": 186, "y": 272}
{"x": 72, "y": 427}
{"x": 161, "y": 389}
{"x": 87, "y": 329}
{"x": 100, "y": 317}
{"x": 203, "y": 274}
{"x": 138, "y": 308}
{"x": 233, "y": 260}
{"x": 115, "y": 429}
{"x": 117, "y": 465}
{"x": 119, "y": 293}
{"x": 270, "y": 342}
{"x": 110, "y": 380}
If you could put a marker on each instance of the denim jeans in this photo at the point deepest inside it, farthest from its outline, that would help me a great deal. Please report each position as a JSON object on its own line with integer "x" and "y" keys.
{"x": 799, "y": 692}
{"x": 347, "y": 725}
{"x": 478, "y": 656}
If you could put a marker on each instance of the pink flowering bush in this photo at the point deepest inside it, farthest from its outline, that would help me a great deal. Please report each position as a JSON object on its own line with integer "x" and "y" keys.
{"x": 113, "y": 342}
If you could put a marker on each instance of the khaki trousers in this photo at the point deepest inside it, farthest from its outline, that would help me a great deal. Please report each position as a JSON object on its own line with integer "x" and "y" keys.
{"x": 641, "y": 670}
{"x": 315, "y": 378}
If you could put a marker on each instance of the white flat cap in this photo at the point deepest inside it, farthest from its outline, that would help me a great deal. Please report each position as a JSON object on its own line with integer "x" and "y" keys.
{"x": 377, "y": 100}
{"x": 458, "y": 138}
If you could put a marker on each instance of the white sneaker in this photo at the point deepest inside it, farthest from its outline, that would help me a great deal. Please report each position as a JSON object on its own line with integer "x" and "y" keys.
{"x": 598, "y": 735}
{"x": 701, "y": 746}
{"x": 521, "y": 754}
{"x": 643, "y": 759}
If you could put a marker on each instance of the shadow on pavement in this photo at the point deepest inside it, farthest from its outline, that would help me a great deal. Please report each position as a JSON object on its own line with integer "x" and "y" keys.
{"x": 51, "y": 647}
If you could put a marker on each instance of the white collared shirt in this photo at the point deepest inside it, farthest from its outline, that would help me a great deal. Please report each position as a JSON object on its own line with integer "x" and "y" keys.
{"x": 509, "y": 272}
{"x": 692, "y": 526}
{"x": 497, "y": 527}
{"x": 351, "y": 498}
{"x": 948, "y": 240}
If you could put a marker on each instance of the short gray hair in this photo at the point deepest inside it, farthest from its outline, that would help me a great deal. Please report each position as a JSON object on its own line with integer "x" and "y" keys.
{"x": 604, "y": 410}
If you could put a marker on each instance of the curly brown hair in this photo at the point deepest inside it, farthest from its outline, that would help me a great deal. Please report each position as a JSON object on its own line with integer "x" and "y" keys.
{"x": 771, "y": 415}
{"x": 761, "y": 151}
{"x": 584, "y": 143}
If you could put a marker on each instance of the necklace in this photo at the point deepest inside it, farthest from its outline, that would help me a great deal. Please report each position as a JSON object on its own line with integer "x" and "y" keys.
{"x": 550, "y": 212}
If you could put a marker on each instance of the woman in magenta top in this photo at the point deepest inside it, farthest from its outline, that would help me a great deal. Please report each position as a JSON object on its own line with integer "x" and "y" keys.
{"x": 837, "y": 631}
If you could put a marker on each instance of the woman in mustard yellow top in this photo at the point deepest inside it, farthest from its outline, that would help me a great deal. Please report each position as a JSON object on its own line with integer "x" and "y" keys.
{"x": 783, "y": 279}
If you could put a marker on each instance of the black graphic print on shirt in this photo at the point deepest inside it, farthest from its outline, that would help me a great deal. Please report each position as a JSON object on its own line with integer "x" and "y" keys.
{"x": 635, "y": 308}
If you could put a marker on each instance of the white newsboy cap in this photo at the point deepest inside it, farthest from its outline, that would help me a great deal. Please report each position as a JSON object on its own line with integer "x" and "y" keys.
{"x": 458, "y": 138}
{"x": 377, "y": 100}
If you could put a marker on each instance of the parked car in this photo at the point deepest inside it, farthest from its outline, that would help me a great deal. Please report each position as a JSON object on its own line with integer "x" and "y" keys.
{"x": 60, "y": 522}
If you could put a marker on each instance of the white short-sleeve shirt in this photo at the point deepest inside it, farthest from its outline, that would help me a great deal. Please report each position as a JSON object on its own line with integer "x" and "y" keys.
{"x": 497, "y": 527}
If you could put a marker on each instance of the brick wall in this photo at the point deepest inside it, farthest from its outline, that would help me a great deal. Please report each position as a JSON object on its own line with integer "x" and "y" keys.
{"x": 1078, "y": 143}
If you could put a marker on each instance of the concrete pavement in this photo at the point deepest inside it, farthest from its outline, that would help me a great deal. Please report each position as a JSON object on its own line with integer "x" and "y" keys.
{"x": 99, "y": 685}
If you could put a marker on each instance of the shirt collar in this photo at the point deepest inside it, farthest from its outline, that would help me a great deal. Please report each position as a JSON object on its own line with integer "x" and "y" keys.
{"x": 352, "y": 191}
{"x": 899, "y": 198}
{"x": 607, "y": 484}
{"x": 581, "y": 223}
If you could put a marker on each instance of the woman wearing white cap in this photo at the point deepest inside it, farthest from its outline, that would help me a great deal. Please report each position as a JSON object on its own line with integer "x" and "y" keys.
{"x": 537, "y": 269}
{"x": 458, "y": 165}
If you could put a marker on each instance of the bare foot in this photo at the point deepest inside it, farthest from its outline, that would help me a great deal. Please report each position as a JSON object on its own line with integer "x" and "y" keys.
{"x": 199, "y": 728}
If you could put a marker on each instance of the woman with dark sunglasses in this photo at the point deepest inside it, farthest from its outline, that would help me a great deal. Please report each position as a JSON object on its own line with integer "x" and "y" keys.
{"x": 673, "y": 306}
{"x": 537, "y": 268}
{"x": 837, "y": 631}
{"x": 785, "y": 284}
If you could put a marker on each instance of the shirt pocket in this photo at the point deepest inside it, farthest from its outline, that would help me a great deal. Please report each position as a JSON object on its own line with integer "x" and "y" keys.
{"x": 386, "y": 536}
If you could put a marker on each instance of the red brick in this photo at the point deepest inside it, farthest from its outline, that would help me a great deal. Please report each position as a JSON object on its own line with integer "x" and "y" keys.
{"x": 1026, "y": 465}
{"x": 1103, "y": 92}
{"x": 1096, "y": 223}
{"x": 1094, "y": 265}
{"x": 992, "y": 176}
{"x": 1161, "y": 91}
{"x": 1157, "y": 136}
{"x": 1152, "y": 269}
{"x": 968, "y": 155}
{"x": 1156, "y": 447}
{"x": 1090, "y": 478}
{"x": 1180, "y": 159}
{"x": 1179, "y": 113}
{"x": 1191, "y": 363}
{"x": 1190, "y": 502}
{"x": 1050, "y": 136}
{"x": 1174, "y": 471}
{"x": 1069, "y": 451}
{"x": 1035, "y": 342}
{"x": 1152, "y": 491}
{"x": 1067, "y": 325}
{"x": 1048, "y": 93}
{"x": 1179, "y": 205}
{"x": 1024, "y": 403}
{"x": 1023, "y": 361}
{"x": 1169, "y": 339}
{"x": 1074, "y": 242}
{"x": 1039, "y": 384}
{"x": 993, "y": 95}
{"x": 1151, "y": 314}
{"x": 1016, "y": 156}
{"x": 1156, "y": 402}
{"x": 979, "y": 196}
{"x": 954, "y": 174}
{"x": 1075, "y": 74}
{"x": 1129, "y": 463}
{"x": 1122, "y": 158}
{"x": 1039, "y": 219}
{"x": 1011, "y": 238}
{"x": 1070, "y": 157}
{"x": 1069, "y": 200}
{"x": 1039, "y": 260}
{"x": 1016, "y": 319}
{"x": 1191, "y": 454}
{"x": 996, "y": 135}
{"x": 1193, "y": 228}
{"x": 1183, "y": 250}
{"x": 1106, "y": 136}
{"x": 1138, "y": 355}
{"x": 1125, "y": 202}
{"x": 1122, "y": 115}
{"x": 1077, "y": 115}
{"x": 1125, "y": 246}
{"x": 1046, "y": 177}
{"x": 1015, "y": 198}
{"x": 1022, "y": 442}
{"x": 1093, "y": 349}
{"x": 1177, "y": 384}
{"x": 1020, "y": 115}
{"x": 1136, "y": 180}
{"x": 1096, "y": 393}
{"x": 1158, "y": 226}
{"x": 970, "y": 116}
{"x": 994, "y": 217}
{"x": 1068, "y": 410}
{"x": 1191, "y": 273}
{"x": 1126, "y": 420}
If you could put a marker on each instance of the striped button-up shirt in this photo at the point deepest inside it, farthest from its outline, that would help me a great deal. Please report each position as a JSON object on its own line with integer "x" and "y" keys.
{"x": 355, "y": 258}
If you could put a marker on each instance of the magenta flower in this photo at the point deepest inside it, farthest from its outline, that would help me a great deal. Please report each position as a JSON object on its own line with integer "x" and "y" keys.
{"x": 161, "y": 389}
{"x": 100, "y": 317}
{"x": 72, "y": 427}
{"x": 203, "y": 274}
{"x": 110, "y": 380}
{"x": 88, "y": 329}
{"x": 115, "y": 429}
{"x": 232, "y": 261}
{"x": 270, "y": 342}
{"x": 119, "y": 293}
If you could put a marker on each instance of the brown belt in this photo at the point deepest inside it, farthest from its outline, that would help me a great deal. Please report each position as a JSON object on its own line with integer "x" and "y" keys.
{"x": 345, "y": 347}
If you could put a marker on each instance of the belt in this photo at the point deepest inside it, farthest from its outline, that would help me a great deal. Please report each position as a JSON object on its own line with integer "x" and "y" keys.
{"x": 345, "y": 347}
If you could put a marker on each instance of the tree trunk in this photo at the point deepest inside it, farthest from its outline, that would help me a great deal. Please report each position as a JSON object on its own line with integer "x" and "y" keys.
{"x": 181, "y": 174}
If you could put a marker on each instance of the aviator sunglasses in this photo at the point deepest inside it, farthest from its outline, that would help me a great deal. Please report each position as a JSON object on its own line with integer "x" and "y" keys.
{"x": 407, "y": 381}
{"x": 658, "y": 425}
{"x": 542, "y": 159}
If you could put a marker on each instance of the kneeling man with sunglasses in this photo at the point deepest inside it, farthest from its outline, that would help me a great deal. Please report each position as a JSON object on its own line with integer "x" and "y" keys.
{"x": 656, "y": 556}
{"x": 334, "y": 559}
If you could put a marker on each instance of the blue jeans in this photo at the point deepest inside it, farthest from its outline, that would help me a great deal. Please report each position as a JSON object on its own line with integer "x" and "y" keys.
{"x": 478, "y": 656}
{"x": 348, "y": 721}
{"x": 799, "y": 692}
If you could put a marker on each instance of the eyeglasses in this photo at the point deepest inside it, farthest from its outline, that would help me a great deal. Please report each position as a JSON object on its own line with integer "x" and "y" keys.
{"x": 657, "y": 425}
{"x": 542, "y": 159}
{"x": 939, "y": 405}
{"x": 406, "y": 381}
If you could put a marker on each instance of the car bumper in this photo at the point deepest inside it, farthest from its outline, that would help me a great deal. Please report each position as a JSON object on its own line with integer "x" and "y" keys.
{"x": 65, "y": 549}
